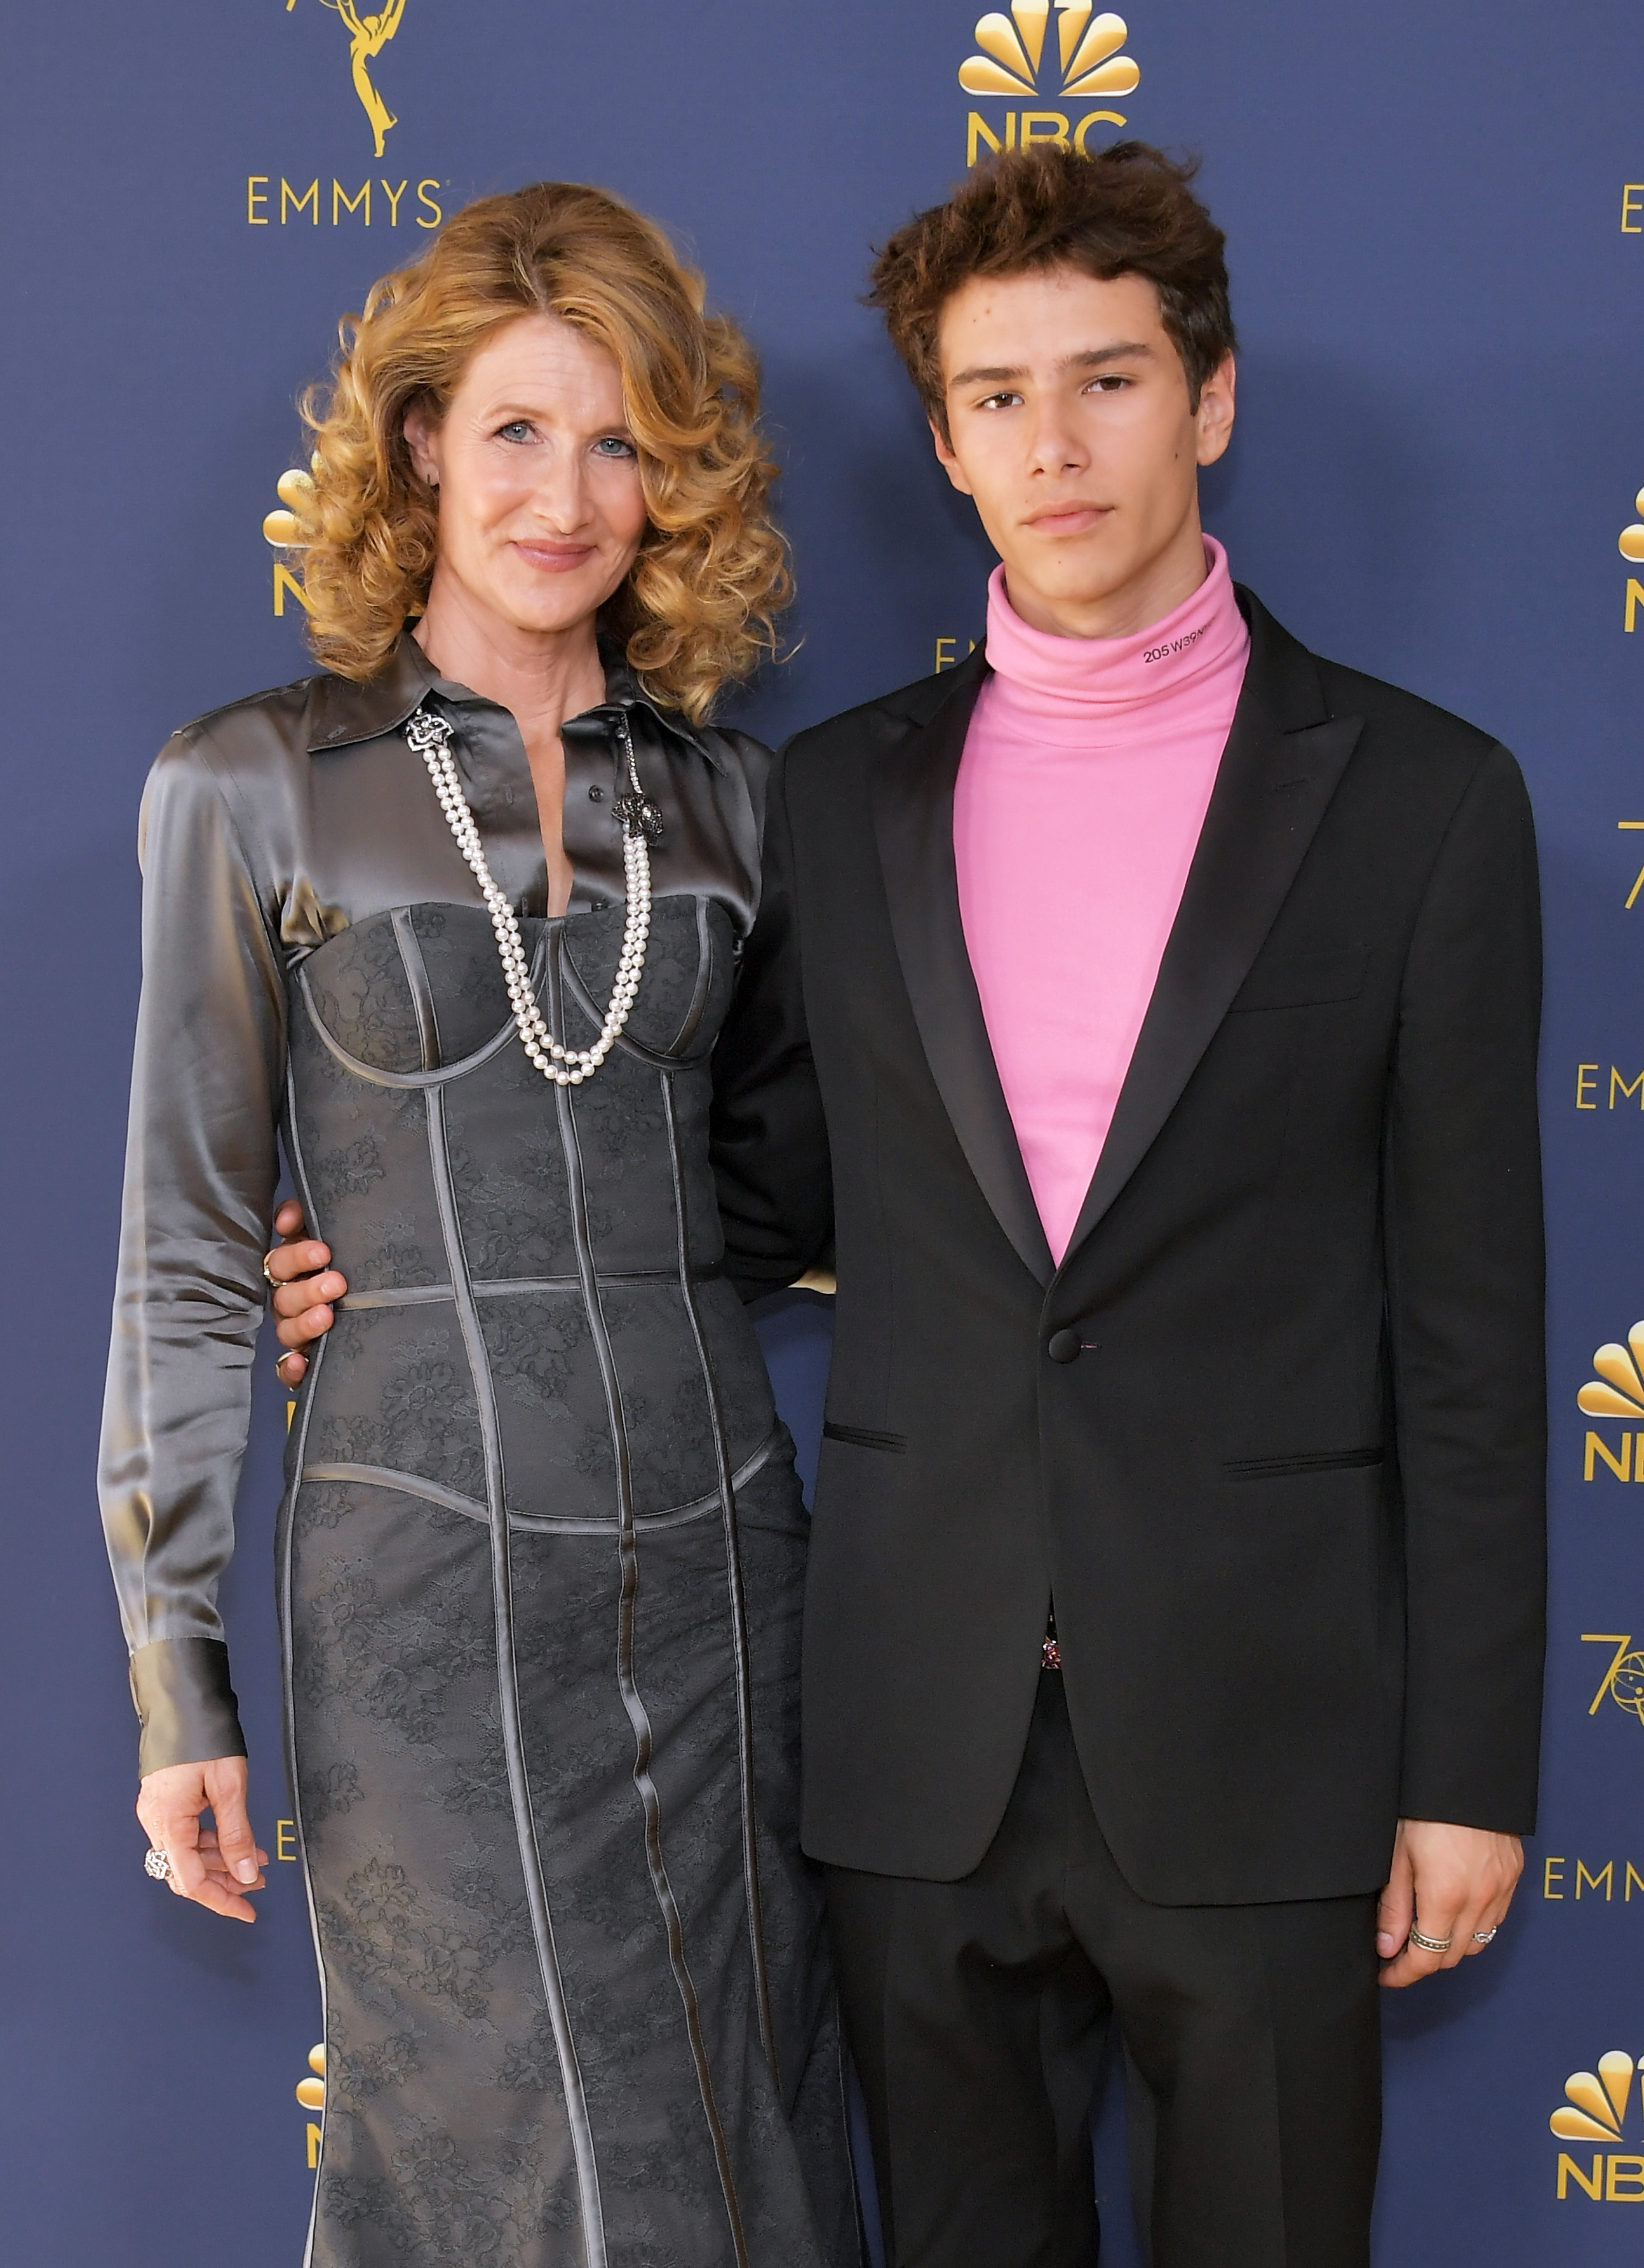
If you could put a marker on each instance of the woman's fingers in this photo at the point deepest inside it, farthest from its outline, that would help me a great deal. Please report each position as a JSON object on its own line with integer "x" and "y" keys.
{"x": 288, "y": 1220}
{"x": 214, "y": 1872}
{"x": 226, "y": 1781}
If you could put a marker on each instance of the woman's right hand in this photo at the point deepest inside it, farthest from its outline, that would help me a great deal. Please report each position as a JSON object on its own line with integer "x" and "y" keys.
{"x": 305, "y": 1284}
{"x": 214, "y": 1866}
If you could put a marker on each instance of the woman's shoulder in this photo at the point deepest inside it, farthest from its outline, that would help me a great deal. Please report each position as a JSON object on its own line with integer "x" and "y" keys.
{"x": 268, "y": 724}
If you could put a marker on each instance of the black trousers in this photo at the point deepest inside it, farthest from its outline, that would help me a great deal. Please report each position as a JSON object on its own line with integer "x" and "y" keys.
{"x": 978, "y": 2012}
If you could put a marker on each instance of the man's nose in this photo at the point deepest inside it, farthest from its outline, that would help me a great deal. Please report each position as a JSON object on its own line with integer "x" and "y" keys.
{"x": 1055, "y": 446}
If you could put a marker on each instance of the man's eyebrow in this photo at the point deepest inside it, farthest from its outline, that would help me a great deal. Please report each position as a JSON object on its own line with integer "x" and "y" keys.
{"x": 1088, "y": 359}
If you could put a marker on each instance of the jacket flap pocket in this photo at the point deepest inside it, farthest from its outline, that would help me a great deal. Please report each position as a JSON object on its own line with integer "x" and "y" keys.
{"x": 1304, "y": 980}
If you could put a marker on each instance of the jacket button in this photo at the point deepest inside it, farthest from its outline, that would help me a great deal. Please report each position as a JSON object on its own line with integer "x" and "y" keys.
{"x": 1064, "y": 1346}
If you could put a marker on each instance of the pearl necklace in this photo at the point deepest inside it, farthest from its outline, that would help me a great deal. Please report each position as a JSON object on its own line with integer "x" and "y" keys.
{"x": 641, "y": 823}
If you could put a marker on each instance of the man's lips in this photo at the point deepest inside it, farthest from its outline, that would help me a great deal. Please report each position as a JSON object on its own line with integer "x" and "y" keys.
{"x": 556, "y": 558}
{"x": 1068, "y": 518}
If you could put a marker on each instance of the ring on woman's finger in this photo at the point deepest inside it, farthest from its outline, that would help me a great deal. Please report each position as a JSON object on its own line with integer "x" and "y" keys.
{"x": 1430, "y": 1944}
{"x": 157, "y": 1864}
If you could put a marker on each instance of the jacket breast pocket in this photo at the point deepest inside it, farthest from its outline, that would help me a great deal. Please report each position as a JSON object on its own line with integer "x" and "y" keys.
{"x": 865, "y": 1437}
{"x": 1303, "y": 980}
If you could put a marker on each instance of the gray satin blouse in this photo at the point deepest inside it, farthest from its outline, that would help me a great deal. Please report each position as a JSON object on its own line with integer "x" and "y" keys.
{"x": 267, "y": 828}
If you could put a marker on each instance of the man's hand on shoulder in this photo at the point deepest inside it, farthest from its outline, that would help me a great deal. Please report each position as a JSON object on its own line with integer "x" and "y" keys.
{"x": 1451, "y": 1885}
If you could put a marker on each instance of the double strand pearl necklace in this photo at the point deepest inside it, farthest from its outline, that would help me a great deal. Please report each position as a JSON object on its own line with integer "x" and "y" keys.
{"x": 641, "y": 823}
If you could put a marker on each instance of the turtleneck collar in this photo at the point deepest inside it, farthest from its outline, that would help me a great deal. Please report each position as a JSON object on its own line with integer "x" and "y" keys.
{"x": 1067, "y": 679}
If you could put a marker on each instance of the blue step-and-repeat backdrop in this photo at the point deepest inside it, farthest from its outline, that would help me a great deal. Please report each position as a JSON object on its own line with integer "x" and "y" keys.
{"x": 1437, "y": 225}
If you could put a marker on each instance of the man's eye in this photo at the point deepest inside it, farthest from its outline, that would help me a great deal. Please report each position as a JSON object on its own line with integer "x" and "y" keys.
{"x": 615, "y": 444}
{"x": 1108, "y": 383}
{"x": 997, "y": 401}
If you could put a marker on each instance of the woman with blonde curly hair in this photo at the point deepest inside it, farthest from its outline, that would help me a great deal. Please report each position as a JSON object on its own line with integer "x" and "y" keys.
{"x": 473, "y": 921}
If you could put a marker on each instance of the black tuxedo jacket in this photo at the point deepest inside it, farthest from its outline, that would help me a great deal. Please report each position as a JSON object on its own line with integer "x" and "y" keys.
{"x": 1272, "y": 1439}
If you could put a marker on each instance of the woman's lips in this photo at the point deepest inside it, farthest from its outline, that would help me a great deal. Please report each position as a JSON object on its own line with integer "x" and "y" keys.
{"x": 556, "y": 558}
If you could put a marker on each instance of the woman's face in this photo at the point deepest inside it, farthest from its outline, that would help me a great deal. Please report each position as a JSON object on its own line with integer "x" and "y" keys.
{"x": 540, "y": 512}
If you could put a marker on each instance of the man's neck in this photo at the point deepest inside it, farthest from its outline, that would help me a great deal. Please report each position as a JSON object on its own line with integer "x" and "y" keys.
{"x": 1166, "y": 582}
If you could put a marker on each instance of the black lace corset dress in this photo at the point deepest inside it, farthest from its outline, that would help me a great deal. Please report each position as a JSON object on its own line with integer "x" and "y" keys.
{"x": 541, "y": 1563}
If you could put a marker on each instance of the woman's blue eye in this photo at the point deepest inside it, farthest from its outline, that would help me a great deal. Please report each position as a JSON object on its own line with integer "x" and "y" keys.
{"x": 614, "y": 445}
{"x": 517, "y": 429}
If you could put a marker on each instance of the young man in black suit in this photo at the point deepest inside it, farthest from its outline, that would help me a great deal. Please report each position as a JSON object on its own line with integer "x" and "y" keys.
{"x": 1174, "y": 1639}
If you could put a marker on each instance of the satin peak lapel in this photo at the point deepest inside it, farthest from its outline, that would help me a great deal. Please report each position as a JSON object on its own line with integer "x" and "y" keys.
{"x": 1271, "y": 792}
{"x": 913, "y": 819}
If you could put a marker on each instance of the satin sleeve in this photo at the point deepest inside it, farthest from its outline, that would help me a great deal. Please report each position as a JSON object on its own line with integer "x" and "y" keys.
{"x": 769, "y": 1138}
{"x": 201, "y": 1169}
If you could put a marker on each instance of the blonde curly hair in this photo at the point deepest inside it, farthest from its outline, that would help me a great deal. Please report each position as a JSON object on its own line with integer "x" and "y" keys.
{"x": 697, "y": 607}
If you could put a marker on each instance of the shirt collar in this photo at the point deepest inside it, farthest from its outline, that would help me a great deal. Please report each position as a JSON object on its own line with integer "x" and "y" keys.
{"x": 341, "y": 712}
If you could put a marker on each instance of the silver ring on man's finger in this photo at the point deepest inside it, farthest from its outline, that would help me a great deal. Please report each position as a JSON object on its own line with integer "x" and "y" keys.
{"x": 1430, "y": 1944}
{"x": 1483, "y": 1936}
{"x": 157, "y": 1864}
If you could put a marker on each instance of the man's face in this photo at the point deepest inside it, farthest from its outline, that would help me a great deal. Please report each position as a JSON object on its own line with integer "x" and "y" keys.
{"x": 1069, "y": 422}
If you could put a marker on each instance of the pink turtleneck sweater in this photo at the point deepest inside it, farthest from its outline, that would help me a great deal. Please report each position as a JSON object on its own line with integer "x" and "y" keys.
{"x": 1087, "y": 773}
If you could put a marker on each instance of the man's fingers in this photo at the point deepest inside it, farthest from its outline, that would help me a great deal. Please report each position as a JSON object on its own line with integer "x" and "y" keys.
{"x": 1398, "y": 1907}
{"x": 1411, "y": 1966}
{"x": 304, "y": 1320}
{"x": 304, "y": 1258}
{"x": 305, "y": 1292}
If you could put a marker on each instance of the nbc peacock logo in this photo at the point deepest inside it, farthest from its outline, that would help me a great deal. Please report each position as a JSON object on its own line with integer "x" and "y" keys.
{"x": 1018, "y": 59}
{"x": 1615, "y": 1391}
{"x": 1630, "y": 544}
{"x": 1596, "y": 2109}
{"x": 283, "y": 528}
{"x": 311, "y": 2093}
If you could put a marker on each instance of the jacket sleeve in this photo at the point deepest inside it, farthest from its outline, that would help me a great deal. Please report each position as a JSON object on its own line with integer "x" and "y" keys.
{"x": 1466, "y": 1302}
{"x": 201, "y": 1167}
{"x": 769, "y": 1141}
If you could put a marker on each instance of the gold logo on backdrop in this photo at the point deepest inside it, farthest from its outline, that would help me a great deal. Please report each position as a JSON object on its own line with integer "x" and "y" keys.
{"x": 1019, "y": 61}
{"x": 368, "y": 36}
{"x": 1630, "y": 544}
{"x": 311, "y": 2093}
{"x": 1595, "y": 2110}
{"x": 1618, "y": 1389}
{"x": 1623, "y": 1680}
{"x": 284, "y": 530}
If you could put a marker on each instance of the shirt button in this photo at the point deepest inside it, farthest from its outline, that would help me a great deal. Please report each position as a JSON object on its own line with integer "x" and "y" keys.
{"x": 596, "y": 795}
{"x": 1062, "y": 1346}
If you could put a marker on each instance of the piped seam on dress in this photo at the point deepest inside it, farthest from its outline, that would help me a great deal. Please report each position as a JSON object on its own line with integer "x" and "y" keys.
{"x": 529, "y": 1523}
{"x": 747, "y": 1778}
{"x": 508, "y": 1693}
{"x": 282, "y": 1582}
{"x": 638, "y": 1716}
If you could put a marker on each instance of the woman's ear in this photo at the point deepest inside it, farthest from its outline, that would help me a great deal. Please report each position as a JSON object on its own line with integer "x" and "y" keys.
{"x": 421, "y": 438}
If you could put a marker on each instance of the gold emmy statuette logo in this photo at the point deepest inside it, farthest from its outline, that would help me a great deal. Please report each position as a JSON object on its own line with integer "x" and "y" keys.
{"x": 284, "y": 530}
{"x": 1595, "y": 2110}
{"x": 1623, "y": 1680}
{"x": 368, "y": 36}
{"x": 1013, "y": 63}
